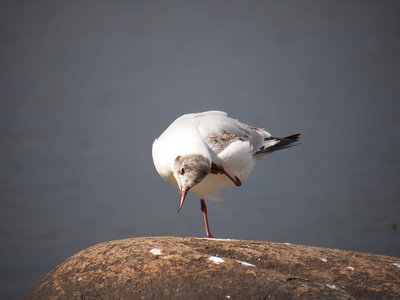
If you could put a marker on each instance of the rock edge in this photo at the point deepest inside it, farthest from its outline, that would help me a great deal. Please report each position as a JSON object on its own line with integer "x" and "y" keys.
{"x": 201, "y": 268}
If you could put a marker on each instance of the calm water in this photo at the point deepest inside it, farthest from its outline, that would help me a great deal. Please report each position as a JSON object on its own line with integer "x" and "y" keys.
{"x": 86, "y": 88}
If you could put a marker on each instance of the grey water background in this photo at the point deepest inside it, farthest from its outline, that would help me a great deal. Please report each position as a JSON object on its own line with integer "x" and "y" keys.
{"x": 86, "y": 86}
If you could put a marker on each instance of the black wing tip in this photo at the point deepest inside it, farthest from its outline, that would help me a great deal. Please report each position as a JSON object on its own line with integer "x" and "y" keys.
{"x": 283, "y": 143}
{"x": 287, "y": 139}
{"x": 293, "y": 137}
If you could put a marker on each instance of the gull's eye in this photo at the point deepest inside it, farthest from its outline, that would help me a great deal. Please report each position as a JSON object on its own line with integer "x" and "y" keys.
{"x": 182, "y": 171}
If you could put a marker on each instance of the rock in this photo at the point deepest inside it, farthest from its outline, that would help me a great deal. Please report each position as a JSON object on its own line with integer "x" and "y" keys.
{"x": 199, "y": 268}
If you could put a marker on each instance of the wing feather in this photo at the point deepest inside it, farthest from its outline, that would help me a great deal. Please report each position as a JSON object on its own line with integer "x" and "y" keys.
{"x": 220, "y": 131}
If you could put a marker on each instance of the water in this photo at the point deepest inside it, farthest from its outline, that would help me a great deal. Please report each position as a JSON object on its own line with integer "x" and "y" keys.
{"x": 86, "y": 88}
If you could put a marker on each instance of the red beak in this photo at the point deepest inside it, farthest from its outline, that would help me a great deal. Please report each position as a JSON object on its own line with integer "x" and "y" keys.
{"x": 182, "y": 196}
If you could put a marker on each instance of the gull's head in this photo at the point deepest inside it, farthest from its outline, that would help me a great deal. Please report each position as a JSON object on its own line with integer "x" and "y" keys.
{"x": 190, "y": 170}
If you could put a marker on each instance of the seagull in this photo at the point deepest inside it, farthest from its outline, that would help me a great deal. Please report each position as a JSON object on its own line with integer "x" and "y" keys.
{"x": 206, "y": 152}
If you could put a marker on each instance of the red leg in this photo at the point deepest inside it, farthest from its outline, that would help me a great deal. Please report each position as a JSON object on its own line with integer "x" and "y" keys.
{"x": 204, "y": 210}
{"x": 220, "y": 170}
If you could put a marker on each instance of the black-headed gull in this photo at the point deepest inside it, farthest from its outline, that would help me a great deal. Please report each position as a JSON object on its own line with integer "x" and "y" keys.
{"x": 196, "y": 149}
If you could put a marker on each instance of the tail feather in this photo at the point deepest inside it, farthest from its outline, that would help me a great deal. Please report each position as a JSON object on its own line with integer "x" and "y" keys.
{"x": 280, "y": 143}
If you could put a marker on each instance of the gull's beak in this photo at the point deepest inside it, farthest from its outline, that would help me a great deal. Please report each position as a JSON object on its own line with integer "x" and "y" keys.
{"x": 182, "y": 196}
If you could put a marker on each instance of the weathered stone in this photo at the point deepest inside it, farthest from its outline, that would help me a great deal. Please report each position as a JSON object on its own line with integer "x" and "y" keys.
{"x": 196, "y": 268}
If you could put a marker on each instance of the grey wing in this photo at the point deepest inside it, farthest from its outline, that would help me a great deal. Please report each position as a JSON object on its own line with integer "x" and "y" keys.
{"x": 220, "y": 131}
